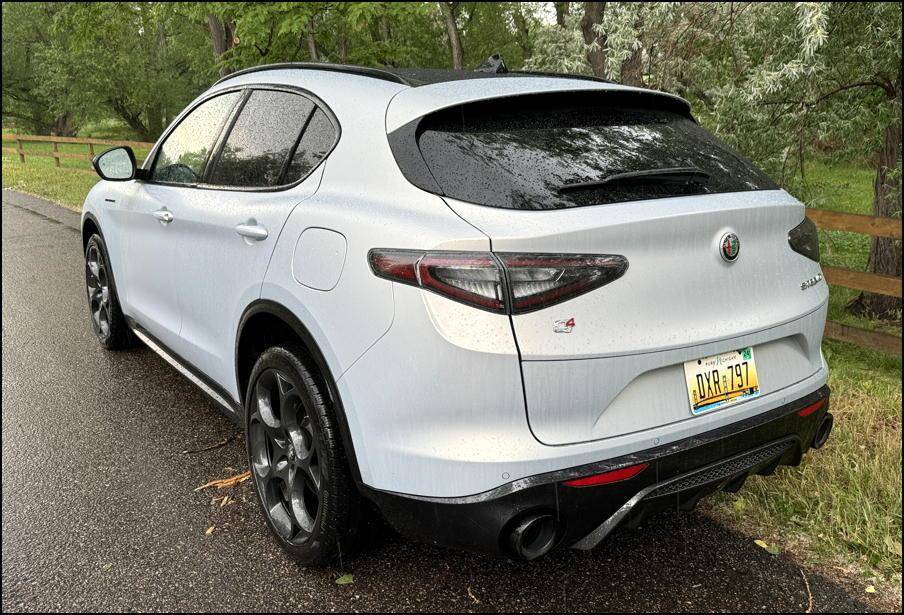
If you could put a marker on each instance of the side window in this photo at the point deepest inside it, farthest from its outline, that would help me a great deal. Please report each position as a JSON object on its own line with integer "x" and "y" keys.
{"x": 315, "y": 143}
{"x": 181, "y": 158}
{"x": 262, "y": 139}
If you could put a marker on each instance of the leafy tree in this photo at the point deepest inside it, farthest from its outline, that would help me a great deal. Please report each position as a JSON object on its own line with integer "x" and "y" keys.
{"x": 138, "y": 60}
{"x": 26, "y": 41}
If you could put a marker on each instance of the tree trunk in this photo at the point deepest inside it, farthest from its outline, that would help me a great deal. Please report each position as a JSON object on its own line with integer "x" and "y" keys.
{"x": 62, "y": 126}
{"x": 222, "y": 35}
{"x": 631, "y": 72}
{"x": 449, "y": 10}
{"x": 593, "y": 15}
{"x": 312, "y": 42}
{"x": 561, "y": 12}
{"x": 521, "y": 27}
{"x": 885, "y": 253}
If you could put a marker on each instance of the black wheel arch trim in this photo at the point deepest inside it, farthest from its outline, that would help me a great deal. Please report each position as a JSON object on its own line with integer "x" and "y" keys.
{"x": 267, "y": 306}
{"x": 89, "y": 216}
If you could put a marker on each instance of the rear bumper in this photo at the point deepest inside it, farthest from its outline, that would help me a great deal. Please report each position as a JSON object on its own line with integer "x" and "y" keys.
{"x": 676, "y": 475}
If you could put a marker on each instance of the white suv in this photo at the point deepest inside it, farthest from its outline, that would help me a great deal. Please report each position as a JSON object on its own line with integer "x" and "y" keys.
{"x": 513, "y": 311}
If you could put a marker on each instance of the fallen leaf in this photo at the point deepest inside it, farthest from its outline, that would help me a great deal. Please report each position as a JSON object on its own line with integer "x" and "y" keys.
{"x": 871, "y": 589}
{"x": 771, "y": 549}
{"x": 345, "y": 579}
{"x": 224, "y": 483}
{"x": 209, "y": 530}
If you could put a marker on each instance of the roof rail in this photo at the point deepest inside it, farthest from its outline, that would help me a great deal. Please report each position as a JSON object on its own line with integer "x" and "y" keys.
{"x": 363, "y": 71}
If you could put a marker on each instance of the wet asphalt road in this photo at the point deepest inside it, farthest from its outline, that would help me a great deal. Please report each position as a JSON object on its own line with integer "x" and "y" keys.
{"x": 100, "y": 512}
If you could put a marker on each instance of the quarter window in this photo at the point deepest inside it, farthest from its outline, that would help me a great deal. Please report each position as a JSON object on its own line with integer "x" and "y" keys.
{"x": 315, "y": 144}
{"x": 262, "y": 140}
{"x": 182, "y": 156}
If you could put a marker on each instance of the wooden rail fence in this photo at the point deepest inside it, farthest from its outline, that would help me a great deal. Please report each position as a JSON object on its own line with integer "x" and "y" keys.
{"x": 828, "y": 220}
{"x": 55, "y": 143}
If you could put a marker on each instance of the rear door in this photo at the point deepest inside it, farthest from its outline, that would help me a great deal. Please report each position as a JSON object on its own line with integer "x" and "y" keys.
{"x": 624, "y": 174}
{"x": 267, "y": 163}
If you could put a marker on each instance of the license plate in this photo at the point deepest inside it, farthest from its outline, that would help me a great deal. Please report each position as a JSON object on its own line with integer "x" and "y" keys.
{"x": 721, "y": 380}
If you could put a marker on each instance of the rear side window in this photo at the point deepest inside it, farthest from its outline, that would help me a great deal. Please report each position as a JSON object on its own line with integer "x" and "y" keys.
{"x": 182, "y": 156}
{"x": 551, "y": 153}
{"x": 262, "y": 140}
{"x": 315, "y": 144}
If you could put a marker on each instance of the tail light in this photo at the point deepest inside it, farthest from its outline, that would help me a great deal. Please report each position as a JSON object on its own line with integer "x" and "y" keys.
{"x": 504, "y": 283}
{"x": 804, "y": 239}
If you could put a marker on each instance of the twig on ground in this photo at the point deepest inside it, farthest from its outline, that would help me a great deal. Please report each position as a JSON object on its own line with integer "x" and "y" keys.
{"x": 225, "y": 483}
{"x": 809, "y": 593}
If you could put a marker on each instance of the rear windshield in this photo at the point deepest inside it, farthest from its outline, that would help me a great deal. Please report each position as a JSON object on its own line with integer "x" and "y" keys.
{"x": 533, "y": 155}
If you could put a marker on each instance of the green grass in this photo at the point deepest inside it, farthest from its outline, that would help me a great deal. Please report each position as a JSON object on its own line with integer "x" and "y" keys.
{"x": 843, "y": 504}
{"x": 67, "y": 184}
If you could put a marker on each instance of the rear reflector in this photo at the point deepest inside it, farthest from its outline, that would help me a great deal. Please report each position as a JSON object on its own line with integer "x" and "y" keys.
{"x": 607, "y": 478}
{"x": 505, "y": 283}
{"x": 811, "y": 408}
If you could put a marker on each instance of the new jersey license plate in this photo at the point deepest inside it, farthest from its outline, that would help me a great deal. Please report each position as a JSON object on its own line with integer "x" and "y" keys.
{"x": 721, "y": 380}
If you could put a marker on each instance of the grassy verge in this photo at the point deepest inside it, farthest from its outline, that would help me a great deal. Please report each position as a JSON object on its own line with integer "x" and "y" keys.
{"x": 843, "y": 506}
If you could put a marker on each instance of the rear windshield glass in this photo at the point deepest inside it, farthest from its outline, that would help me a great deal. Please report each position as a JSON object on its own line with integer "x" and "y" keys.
{"x": 534, "y": 156}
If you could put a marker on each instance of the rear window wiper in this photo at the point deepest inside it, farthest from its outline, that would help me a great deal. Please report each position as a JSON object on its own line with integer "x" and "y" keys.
{"x": 671, "y": 175}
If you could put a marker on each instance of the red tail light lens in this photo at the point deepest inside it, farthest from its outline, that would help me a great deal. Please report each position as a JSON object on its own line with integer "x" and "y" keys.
{"x": 540, "y": 280}
{"x": 807, "y": 411}
{"x": 505, "y": 283}
{"x": 607, "y": 478}
{"x": 470, "y": 277}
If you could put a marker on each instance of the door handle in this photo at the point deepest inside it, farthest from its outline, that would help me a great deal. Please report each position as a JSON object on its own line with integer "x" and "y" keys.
{"x": 252, "y": 230}
{"x": 164, "y": 216}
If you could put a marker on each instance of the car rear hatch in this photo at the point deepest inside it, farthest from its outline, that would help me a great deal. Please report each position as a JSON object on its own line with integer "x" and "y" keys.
{"x": 706, "y": 238}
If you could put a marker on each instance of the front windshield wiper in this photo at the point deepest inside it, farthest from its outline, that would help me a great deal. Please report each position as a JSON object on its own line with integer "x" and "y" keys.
{"x": 671, "y": 175}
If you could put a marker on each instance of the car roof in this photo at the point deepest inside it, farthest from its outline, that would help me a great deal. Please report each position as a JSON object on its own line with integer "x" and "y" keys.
{"x": 412, "y": 77}
{"x": 406, "y": 94}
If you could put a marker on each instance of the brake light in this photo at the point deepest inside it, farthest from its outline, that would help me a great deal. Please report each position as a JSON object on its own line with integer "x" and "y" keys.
{"x": 607, "y": 478}
{"x": 505, "y": 283}
{"x": 541, "y": 280}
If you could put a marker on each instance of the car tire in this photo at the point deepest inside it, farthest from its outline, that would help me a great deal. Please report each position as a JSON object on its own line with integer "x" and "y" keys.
{"x": 298, "y": 464}
{"x": 107, "y": 321}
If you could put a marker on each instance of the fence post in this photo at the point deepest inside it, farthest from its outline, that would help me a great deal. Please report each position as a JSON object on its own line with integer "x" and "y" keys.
{"x": 20, "y": 148}
{"x": 56, "y": 150}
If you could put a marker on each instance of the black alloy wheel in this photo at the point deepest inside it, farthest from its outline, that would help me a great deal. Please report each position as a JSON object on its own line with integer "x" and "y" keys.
{"x": 285, "y": 457}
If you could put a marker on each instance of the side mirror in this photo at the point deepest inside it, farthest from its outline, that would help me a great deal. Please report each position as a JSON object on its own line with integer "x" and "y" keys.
{"x": 117, "y": 164}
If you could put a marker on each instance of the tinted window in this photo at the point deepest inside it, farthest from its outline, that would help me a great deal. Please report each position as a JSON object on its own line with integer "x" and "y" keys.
{"x": 520, "y": 155}
{"x": 182, "y": 156}
{"x": 261, "y": 140}
{"x": 315, "y": 143}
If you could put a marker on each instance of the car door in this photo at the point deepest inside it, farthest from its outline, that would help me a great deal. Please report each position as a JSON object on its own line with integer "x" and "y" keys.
{"x": 266, "y": 164}
{"x": 147, "y": 218}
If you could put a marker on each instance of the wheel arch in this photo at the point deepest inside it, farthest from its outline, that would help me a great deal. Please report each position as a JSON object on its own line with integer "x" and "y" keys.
{"x": 90, "y": 226}
{"x": 265, "y": 323}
